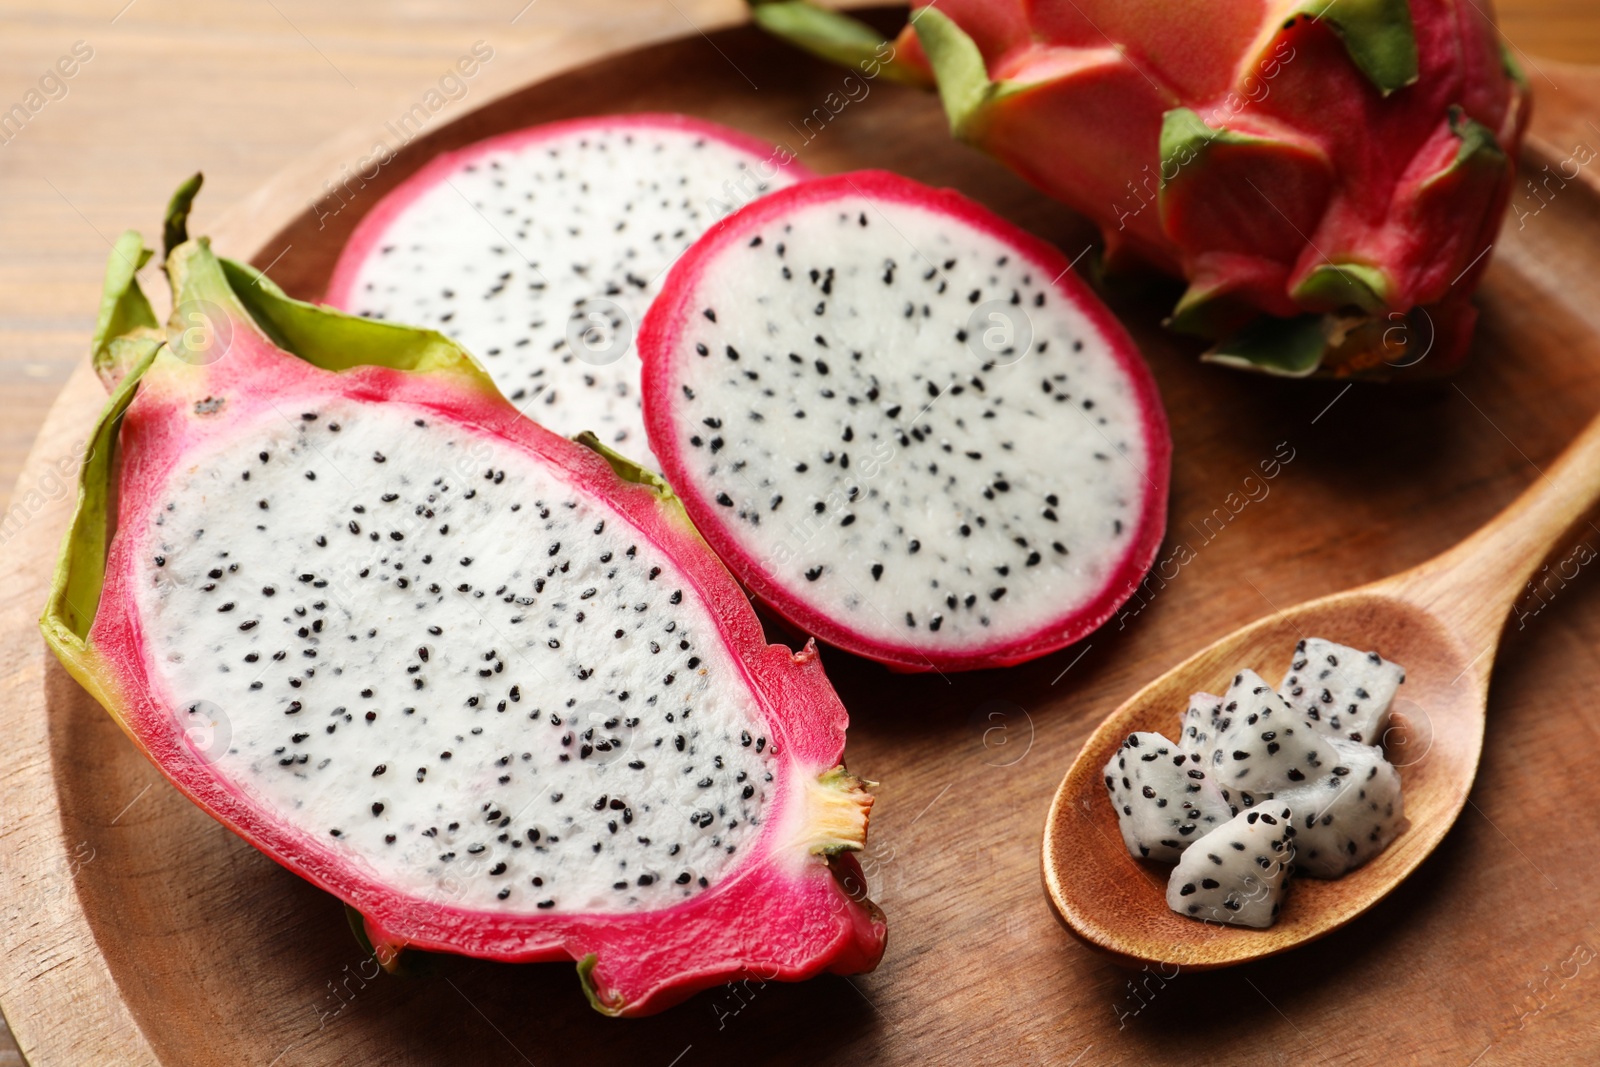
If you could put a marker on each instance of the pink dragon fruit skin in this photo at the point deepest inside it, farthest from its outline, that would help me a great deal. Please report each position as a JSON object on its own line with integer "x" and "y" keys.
{"x": 1341, "y": 165}
{"x": 185, "y": 401}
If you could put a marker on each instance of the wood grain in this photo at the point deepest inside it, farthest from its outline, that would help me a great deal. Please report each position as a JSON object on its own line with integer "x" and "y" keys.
{"x": 198, "y": 950}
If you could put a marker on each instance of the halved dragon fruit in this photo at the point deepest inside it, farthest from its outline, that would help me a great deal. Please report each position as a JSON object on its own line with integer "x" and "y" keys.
{"x": 1163, "y": 798}
{"x": 905, "y": 424}
{"x": 540, "y": 250}
{"x": 480, "y": 682}
{"x": 1239, "y": 872}
{"x": 1345, "y": 693}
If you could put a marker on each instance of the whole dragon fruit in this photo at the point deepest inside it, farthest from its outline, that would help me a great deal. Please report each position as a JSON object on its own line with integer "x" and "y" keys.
{"x": 484, "y": 684}
{"x": 1338, "y": 165}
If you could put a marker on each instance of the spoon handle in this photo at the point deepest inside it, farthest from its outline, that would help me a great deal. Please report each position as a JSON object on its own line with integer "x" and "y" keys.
{"x": 1497, "y": 569}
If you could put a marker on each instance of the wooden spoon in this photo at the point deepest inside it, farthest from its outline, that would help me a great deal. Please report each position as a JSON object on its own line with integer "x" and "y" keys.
{"x": 1441, "y": 620}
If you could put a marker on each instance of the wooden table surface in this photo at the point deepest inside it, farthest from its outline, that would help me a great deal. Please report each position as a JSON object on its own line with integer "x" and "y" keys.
{"x": 240, "y": 87}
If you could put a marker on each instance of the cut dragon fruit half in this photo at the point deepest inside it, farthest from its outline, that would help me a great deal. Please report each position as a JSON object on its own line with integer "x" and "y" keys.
{"x": 482, "y": 683}
{"x": 540, "y": 250}
{"x": 905, "y": 424}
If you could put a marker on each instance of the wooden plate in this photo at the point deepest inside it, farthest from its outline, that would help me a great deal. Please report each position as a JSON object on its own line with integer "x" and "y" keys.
{"x": 139, "y": 931}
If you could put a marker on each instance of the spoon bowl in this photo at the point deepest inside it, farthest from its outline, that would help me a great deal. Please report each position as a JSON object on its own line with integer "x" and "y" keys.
{"x": 1441, "y": 621}
{"x": 1120, "y": 904}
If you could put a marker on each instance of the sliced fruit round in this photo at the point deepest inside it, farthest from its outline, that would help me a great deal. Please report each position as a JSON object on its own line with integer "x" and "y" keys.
{"x": 540, "y": 250}
{"x": 905, "y": 424}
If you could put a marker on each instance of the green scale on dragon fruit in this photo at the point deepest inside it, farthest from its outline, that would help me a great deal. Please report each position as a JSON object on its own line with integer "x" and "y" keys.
{"x": 480, "y": 682}
{"x": 540, "y": 250}
{"x": 905, "y": 424}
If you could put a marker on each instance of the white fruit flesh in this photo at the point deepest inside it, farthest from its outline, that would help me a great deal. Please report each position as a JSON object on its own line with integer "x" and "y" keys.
{"x": 1327, "y": 802}
{"x": 1344, "y": 692}
{"x": 881, "y": 463}
{"x": 1261, "y": 744}
{"x": 1164, "y": 799}
{"x": 465, "y": 673}
{"x": 542, "y": 259}
{"x": 1347, "y": 816}
{"x": 1238, "y": 872}
{"x": 1199, "y": 721}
